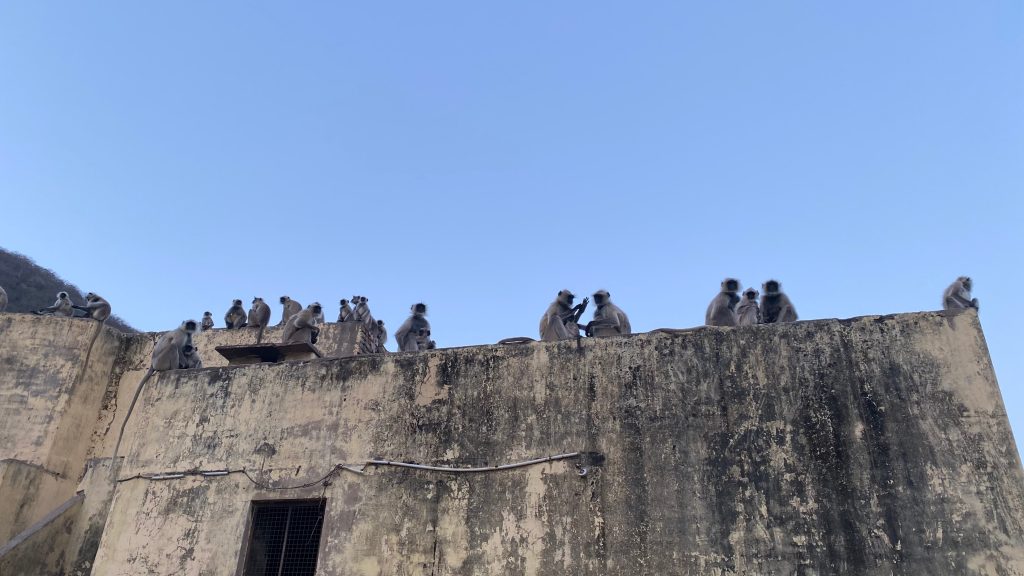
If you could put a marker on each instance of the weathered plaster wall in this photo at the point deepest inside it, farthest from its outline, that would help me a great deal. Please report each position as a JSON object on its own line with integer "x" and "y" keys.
{"x": 878, "y": 445}
{"x": 54, "y": 375}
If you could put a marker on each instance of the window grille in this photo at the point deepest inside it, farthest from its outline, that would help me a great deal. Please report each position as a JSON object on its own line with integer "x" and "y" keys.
{"x": 284, "y": 539}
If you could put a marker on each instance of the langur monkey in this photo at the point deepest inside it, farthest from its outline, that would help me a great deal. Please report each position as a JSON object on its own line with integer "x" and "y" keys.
{"x": 95, "y": 307}
{"x": 382, "y": 336}
{"x": 722, "y": 310}
{"x": 561, "y": 320}
{"x": 62, "y": 307}
{"x": 410, "y": 335}
{"x": 609, "y": 319}
{"x": 748, "y": 313}
{"x": 168, "y": 354}
{"x": 3, "y": 299}
{"x": 775, "y": 306}
{"x": 302, "y": 327}
{"x": 207, "y": 321}
{"x": 345, "y": 312}
{"x": 235, "y": 316}
{"x": 291, "y": 308}
{"x": 259, "y": 317}
{"x": 958, "y": 295}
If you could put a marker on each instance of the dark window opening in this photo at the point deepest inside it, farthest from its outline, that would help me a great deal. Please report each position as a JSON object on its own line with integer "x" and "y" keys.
{"x": 284, "y": 538}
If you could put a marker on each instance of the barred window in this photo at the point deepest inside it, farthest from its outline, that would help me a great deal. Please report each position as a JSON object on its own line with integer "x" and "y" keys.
{"x": 284, "y": 539}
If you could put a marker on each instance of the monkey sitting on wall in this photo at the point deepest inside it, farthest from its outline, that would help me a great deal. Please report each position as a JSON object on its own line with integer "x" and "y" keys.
{"x": 95, "y": 307}
{"x": 775, "y": 306}
{"x": 414, "y": 334}
{"x": 207, "y": 322}
{"x": 302, "y": 328}
{"x": 748, "y": 313}
{"x": 235, "y": 316}
{"x": 291, "y": 308}
{"x": 344, "y": 311}
{"x": 259, "y": 317}
{"x": 722, "y": 310}
{"x": 958, "y": 295}
{"x": 561, "y": 320}
{"x": 62, "y": 307}
{"x": 609, "y": 319}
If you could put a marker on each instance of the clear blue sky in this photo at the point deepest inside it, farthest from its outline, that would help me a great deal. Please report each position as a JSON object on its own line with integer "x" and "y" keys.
{"x": 480, "y": 157}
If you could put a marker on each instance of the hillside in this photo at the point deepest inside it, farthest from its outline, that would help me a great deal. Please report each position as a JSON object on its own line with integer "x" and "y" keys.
{"x": 29, "y": 287}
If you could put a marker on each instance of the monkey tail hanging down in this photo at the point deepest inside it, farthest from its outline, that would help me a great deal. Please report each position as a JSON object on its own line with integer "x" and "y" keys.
{"x": 169, "y": 353}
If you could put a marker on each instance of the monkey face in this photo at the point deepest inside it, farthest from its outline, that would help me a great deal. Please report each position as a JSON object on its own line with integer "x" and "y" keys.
{"x": 257, "y": 299}
{"x": 750, "y": 294}
{"x": 363, "y": 300}
{"x": 343, "y": 302}
{"x": 315, "y": 307}
{"x": 601, "y": 296}
{"x": 772, "y": 287}
{"x": 419, "y": 308}
{"x": 237, "y": 302}
{"x": 284, "y": 299}
{"x": 566, "y": 297}
{"x": 207, "y": 313}
{"x": 189, "y": 326}
{"x": 966, "y": 281}
{"x": 731, "y": 285}
{"x": 62, "y": 295}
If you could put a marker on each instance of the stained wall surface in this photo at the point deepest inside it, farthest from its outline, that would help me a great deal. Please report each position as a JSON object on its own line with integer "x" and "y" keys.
{"x": 54, "y": 376}
{"x": 877, "y": 445}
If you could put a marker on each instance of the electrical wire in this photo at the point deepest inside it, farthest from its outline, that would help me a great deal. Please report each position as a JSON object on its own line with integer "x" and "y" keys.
{"x": 338, "y": 468}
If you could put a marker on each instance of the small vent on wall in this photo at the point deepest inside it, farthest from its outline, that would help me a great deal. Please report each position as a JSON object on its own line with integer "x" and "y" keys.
{"x": 284, "y": 538}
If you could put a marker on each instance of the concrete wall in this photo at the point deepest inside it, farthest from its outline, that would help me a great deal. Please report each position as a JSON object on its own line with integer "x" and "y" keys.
{"x": 54, "y": 376}
{"x": 878, "y": 445}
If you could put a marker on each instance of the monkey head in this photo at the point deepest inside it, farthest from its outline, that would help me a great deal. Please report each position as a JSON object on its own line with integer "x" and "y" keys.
{"x": 62, "y": 295}
{"x": 419, "y": 308}
{"x": 90, "y": 297}
{"x": 966, "y": 282}
{"x": 315, "y": 308}
{"x": 363, "y": 300}
{"x": 342, "y": 301}
{"x": 188, "y": 349}
{"x": 601, "y": 297}
{"x": 236, "y": 302}
{"x": 730, "y": 285}
{"x": 207, "y": 313}
{"x": 380, "y": 323}
{"x": 189, "y": 326}
{"x": 565, "y": 297}
{"x": 750, "y": 294}
{"x": 284, "y": 299}
{"x": 772, "y": 287}
{"x": 257, "y": 299}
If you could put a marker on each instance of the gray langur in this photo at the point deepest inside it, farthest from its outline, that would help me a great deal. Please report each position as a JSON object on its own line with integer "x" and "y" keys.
{"x": 561, "y": 320}
{"x": 291, "y": 308}
{"x": 410, "y": 335}
{"x": 235, "y": 316}
{"x": 192, "y": 359}
{"x": 722, "y": 310}
{"x": 775, "y": 305}
{"x": 259, "y": 317}
{"x": 361, "y": 312}
{"x": 958, "y": 295}
{"x": 302, "y": 327}
{"x": 3, "y": 299}
{"x": 168, "y": 354}
{"x": 95, "y": 307}
{"x": 62, "y": 307}
{"x": 382, "y": 336}
{"x": 345, "y": 311}
{"x": 207, "y": 322}
{"x": 748, "y": 313}
{"x": 609, "y": 319}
